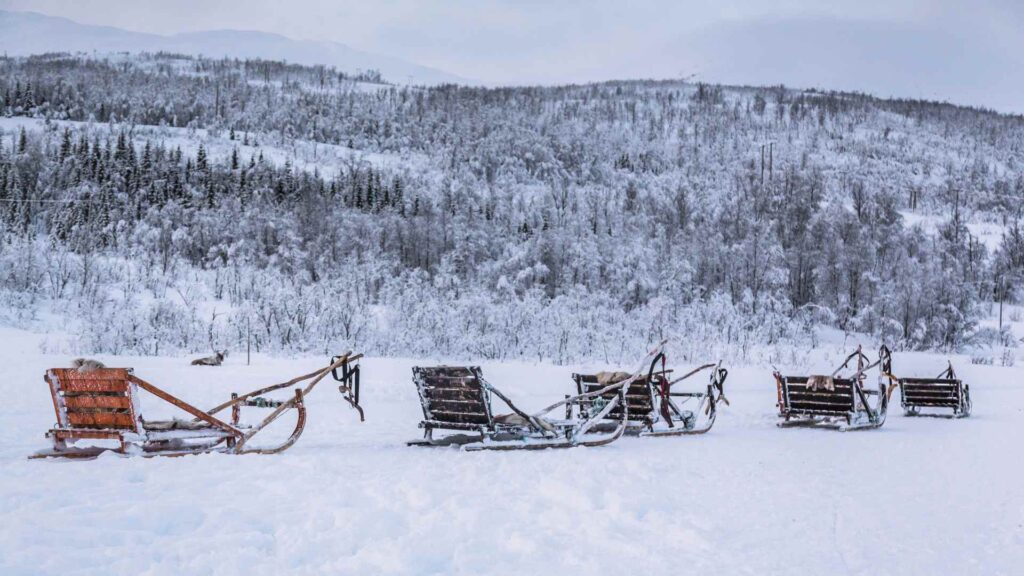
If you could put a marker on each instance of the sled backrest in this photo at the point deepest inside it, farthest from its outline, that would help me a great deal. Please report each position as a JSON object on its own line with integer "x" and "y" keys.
{"x": 639, "y": 396}
{"x": 799, "y": 397}
{"x": 103, "y": 399}
{"x": 931, "y": 392}
{"x": 453, "y": 396}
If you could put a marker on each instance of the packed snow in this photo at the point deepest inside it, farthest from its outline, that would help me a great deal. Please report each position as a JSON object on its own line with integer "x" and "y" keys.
{"x": 918, "y": 496}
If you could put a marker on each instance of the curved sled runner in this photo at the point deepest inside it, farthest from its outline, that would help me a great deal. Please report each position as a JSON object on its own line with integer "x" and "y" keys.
{"x": 653, "y": 408}
{"x": 104, "y": 405}
{"x": 836, "y": 402}
{"x": 459, "y": 398}
{"x": 943, "y": 391}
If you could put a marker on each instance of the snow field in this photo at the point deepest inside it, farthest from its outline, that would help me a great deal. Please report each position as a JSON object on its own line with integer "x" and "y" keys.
{"x": 919, "y": 496}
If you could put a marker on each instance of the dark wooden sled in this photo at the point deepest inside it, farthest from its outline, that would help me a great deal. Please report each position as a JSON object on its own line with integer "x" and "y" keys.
{"x": 833, "y": 401}
{"x": 945, "y": 391}
{"x": 458, "y": 398}
{"x": 653, "y": 408}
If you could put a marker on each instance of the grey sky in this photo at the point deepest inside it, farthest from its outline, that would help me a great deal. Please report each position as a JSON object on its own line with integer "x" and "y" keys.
{"x": 968, "y": 52}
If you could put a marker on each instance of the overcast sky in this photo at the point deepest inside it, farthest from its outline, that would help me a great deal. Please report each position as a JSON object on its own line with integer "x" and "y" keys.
{"x": 969, "y": 52}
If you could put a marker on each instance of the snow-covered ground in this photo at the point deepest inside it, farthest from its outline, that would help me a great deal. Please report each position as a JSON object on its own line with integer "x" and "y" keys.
{"x": 989, "y": 234}
{"x": 919, "y": 496}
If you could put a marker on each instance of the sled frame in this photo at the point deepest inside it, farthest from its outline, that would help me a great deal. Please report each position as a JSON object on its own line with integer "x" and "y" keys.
{"x": 458, "y": 398}
{"x": 848, "y": 406}
{"x": 104, "y": 405}
{"x": 655, "y": 410}
{"x": 945, "y": 391}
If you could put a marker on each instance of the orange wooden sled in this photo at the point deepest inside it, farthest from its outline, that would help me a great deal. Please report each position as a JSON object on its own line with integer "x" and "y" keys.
{"x": 104, "y": 405}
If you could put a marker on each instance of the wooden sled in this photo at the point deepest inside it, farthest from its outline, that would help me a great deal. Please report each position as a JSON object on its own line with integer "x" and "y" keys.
{"x": 942, "y": 392}
{"x": 835, "y": 402}
{"x": 459, "y": 398}
{"x": 653, "y": 408}
{"x": 104, "y": 405}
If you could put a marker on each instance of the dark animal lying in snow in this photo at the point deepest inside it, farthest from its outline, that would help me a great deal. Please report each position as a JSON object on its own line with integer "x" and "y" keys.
{"x": 214, "y": 360}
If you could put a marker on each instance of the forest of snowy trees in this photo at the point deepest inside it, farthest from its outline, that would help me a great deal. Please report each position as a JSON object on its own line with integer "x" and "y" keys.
{"x": 163, "y": 203}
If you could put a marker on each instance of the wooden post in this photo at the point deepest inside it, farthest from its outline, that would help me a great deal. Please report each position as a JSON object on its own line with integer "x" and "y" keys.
{"x": 235, "y": 410}
{"x": 248, "y": 341}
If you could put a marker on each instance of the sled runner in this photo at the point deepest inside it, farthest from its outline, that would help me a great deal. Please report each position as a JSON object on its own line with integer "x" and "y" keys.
{"x": 104, "y": 404}
{"x": 459, "y": 398}
{"x": 837, "y": 402}
{"x": 653, "y": 408}
{"x": 943, "y": 391}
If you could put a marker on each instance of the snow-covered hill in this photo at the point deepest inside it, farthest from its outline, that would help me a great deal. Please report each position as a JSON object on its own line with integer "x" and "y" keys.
{"x": 226, "y": 201}
{"x": 24, "y": 33}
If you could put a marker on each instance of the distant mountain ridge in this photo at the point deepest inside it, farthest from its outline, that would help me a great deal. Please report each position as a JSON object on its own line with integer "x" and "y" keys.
{"x": 24, "y": 33}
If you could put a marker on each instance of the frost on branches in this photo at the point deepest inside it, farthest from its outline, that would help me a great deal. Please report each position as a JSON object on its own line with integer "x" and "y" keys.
{"x": 165, "y": 203}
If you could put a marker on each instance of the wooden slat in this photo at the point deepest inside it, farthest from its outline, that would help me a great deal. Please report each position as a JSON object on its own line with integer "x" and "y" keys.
{"x": 450, "y": 425}
{"x": 820, "y": 398}
{"x": 931, "y": 397}
{"x": 845, "y": 391}
{"x": 452, "y": 393}
{"x": 845, "y": 404}
{"x": 101, "y": 374}
{"x": 462, "y": 406}
{"x": 634, "y": 389}
{"x": 93, "y": 385}
{"x": 81, "y": 402}
{"x": 796, "y": 410}
{"x": 804, "y": 388}
{"x": 101, "y": 420}
{"x": 912, "y": 386}
{"x": 85, "y": 434}
{"x": 931, "y": 391}
{"x": 937, "y": 403}
{"x": 462, "y": 417}
{"x": 820, "y": 406}
{"x": 945, "y": 381}
{"x": 444, "y": 371}
{"x": 452, "y": 385}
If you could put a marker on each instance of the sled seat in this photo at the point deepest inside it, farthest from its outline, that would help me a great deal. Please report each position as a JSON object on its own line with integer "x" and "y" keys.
{"x": 95, "y": 405}
{"x": 800, "y": 398}
{"x": 639, "y": 399}
{"x": 927, "y": 393}
{"x": 453, "y": 398}
{"x": 103, "y": 405}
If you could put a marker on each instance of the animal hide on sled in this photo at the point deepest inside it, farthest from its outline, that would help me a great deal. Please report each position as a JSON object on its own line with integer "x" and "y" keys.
{"x": 816, "y": 383}
{"x": 86, "y": 365}
{"x": 606, "y": 378}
